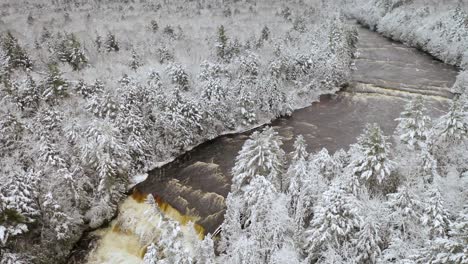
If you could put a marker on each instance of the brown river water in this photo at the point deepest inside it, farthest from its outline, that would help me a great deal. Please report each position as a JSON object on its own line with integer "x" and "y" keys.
{"x": 387, "y": 75}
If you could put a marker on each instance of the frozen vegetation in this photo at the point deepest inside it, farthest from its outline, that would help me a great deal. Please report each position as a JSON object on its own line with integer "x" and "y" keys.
{"x": 94, "y": 92}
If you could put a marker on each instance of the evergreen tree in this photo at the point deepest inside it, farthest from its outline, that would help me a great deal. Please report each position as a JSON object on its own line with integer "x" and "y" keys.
{"x": 18, "y": 56}
{"x": 370, "y": 158}
{"x": 154, "y": 26}
{"x": 103, "y": 106}
{"x": 406, "y": 210}
{"x": 326, "y": 165}
{"x": 4, "y": 65}
{"x": 111, "y": 44}
{"x": 300, "y": 149}
{"x": 98, "y": 43}
{"x": 454, "y": 124}
{"x": 69, "y": 50}
{"x": 222, "y": 44}
{"x": 367, "y": 245}
{"x": 264, "y": 223}
{"x": 18, "y": 204}
{"x": 178, "y": 76}
{"x": 104, "y": 151}
{"x": 435, "y": 216}
{"x": 135, "y": 63}
{"x": 451, "y": 249}
{"x": 55, "y": 87}
{"x": 265, "y": 35}
{"x": 414, "y": 125}
{"x": 335, "y": 222}
{"x": 247, "y": 108}
{"x": 205, "y": 251}
{"x": 260, "y": 155}
{"x": 171, "y": 246}
{"x": 54, "y": 216}
{"x": 29, "y": 94}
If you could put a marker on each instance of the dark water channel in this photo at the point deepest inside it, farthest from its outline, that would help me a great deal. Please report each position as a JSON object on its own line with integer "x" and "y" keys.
{"x": 387, "y": 74}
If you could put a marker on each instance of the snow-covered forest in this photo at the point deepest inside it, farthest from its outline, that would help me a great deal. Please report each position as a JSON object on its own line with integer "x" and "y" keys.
{"x": 96, "y": 92}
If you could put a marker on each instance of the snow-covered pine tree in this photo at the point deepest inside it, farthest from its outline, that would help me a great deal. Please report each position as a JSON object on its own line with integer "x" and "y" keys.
{"x": 205, "y": 251}
{"x": 260, "y": 155}
{"x": 135, "y": 62}
{"x": 300, "y": 149}
{"x": 170, "y": 244}
{"x": 55, "y": 218}
{"x": 263, "y": 221}
{"x": 222, "y": 50}
{"x": 103, "y": 150}
{"x": 435, "y": 216}
{"x": 451, "y": 249}
{"x": 69, "y": 50}
{"x": 178, "y": 76}
{"x": 406, "y": 210}
{"x": 326, "y": 165}
{"x": 247, "y": 106}
{"x": 371, "y": 159}
{"x": 18, "y": 204}
{"x": 4, "y": 65}
{"x": 18, "y": 58}
{"x": 335, "y": 222}
{"x": 367, "y": 243}
{"x": 55, "y": 87}
{"x": 454, "y": 124}
{"x": 111, "y": 44}
{"x": 103, "y": 106}
{"x": 413, "y": 124}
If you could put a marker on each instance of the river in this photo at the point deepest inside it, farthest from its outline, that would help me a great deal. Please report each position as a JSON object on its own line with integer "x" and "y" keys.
{"x": 386, "y": 75}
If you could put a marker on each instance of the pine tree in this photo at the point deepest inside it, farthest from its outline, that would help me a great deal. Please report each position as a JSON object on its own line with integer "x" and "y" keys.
{"x": 222, "y": 44}
{"x": 451, "y": 249}
{"x": 414, "y": 125}
{"x": 265, "y": 35}
{"x": 367, "y": 244}
{"x": 154, "y": 26}
{"x": 28, "y": 97}
{"x": 178, "y": 76}
{"x": 263, "y": 221}
{"x": 184, "y": 120}
{"x": 56, "y": 219}
{"x": 111, "y": 44}
{"x": 326, "y": 165}
{"x": 135, "y": 63}
{"x": 454, "y": 124}
{"x": 205, "y": 251}
{"x": 69, "y": 50}
{"x": 406, "y": 210}
{"x": 98, "y": 43}
{"x": 55, "y": 87}
{"x": 435, "y": 216}
{"x": 247, "y": 108}
{"x": 18, "y": 205}
{"x": 370, "y": 158}
{"x": 335, "y": 222}
{"x": 300, "y": 149}
{"x": 4, "y": 65}
{"x": 260, "y": 155}
{"x": 170, "y": 243}
{"x": 18, "y": 56}
{"x": 104, "y": 151}
{"x": 103, "y": 106}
